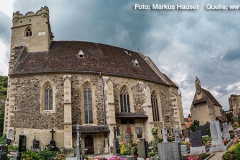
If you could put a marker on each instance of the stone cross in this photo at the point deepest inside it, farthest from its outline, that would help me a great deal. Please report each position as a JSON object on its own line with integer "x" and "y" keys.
{"x": 52, "y": 133}
{"x": 226, "y": 135}
{"x": 177, "y": 135}
{"x": 164, "y": 134}
{"x": 127, "y": 136}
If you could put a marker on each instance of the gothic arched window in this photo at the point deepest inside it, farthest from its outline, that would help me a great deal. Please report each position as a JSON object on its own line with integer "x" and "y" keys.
{"x": 88, "y": 105}
{"x": 155, "y": 111}
{"x": 124, "y": 100}
{"x": 48, "y": 98}
{"x": 28, "y": 32}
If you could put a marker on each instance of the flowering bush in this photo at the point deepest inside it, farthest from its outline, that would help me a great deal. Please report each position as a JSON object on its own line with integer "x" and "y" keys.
{"x": 123, "y": 148}
{"x": 60, "y": 157}
{"x": 30, "y": 155}
{"x": 117, "y": 158}
{"x": 100, "y": 158}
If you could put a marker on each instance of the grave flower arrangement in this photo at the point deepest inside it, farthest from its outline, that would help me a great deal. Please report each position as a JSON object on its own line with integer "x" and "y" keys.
{"x": 117, "y": 158}
{"x": 195, "y": 157}
{"x": 226, "y": 142}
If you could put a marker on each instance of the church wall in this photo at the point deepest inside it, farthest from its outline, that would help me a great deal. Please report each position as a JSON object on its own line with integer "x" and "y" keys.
{"x": 25, "y": 93}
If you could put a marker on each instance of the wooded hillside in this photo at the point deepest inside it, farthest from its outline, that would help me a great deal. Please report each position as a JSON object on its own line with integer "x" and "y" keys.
{"x": 3, "y": 95}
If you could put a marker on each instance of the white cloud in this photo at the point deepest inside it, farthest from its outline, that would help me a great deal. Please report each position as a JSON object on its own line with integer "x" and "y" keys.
{"x": 3, "y": 58}
{"x": 7, "y": 7}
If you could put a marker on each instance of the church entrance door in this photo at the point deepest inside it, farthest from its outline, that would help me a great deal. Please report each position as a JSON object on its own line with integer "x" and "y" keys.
{"x": 89, "y": 144}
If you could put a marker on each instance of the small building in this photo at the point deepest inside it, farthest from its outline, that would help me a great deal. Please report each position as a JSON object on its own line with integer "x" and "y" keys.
{"x": 205, "y": 108}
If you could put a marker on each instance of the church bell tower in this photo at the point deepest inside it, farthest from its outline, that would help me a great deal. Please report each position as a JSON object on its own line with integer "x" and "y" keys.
{"x": 32, "y": 30}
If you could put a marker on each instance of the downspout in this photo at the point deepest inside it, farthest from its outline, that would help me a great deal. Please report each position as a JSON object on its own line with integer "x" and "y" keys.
{"x": 104, "y": 109}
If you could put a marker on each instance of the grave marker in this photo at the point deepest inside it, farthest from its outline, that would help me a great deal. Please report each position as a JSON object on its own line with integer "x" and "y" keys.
{"x": 226, "y": 135}
{"x": 217, "y": 142}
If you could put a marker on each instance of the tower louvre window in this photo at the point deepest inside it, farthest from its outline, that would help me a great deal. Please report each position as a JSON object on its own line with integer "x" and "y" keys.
{"x": 28, "y": 32}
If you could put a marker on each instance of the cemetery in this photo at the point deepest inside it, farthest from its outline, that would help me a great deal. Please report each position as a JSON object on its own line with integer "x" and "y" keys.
{"x": 200, "y": 144}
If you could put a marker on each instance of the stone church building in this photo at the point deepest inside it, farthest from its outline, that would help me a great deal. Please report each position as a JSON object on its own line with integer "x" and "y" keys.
{"x": 59, "y": 84}
{"x": 205, "y": 108}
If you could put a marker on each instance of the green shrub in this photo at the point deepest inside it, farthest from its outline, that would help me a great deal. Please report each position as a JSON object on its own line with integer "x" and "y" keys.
{"x": 84, "y": 156}
{"x": 205, "y": 139}
{"x": 231, "y": 135}
{"x": 194, "y": 126}
{"x": 46, "y": 154}
{"x": 30, "y": 154}
{"x": 15, "y": 148}
{"x": 237, "y": 152}
{"x": 10, "y": 148}
{"x": 228, "y": 156}
{"x": 61, "y": 157}
{"x": 2, "y": 139}
{"x": 123, "y": 149}
{"x": 134, "y": 150}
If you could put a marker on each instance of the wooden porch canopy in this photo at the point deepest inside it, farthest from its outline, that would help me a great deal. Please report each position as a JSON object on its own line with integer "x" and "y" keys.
{"x": 91, "y": 129}
{"x": 130, "y": 115}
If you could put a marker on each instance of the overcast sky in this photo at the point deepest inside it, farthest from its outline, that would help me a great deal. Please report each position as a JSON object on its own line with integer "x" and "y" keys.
{"x": 183, "y": 43}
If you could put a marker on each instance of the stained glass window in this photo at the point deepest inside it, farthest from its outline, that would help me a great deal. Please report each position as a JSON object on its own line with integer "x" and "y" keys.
{"x": 48, "y": 98}
{"x": 155, "y": 111}
{"x": 124, "y": 101}
{"x": 88, "y": 105}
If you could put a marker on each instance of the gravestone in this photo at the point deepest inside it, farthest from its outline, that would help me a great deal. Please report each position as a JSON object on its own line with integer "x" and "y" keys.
{"x": 217, "y": 142}
{"x": 142, "y": 146}
{"x": 3, "y": 152}
{"x": 35, "y": 144}
{"x": 226, "y": 135}
{"x": 203, "y": 130}
{"x": 53, "y": 143}
{"x": 230, "y": 126}
{"x": 164, "y": 134}
{"x": 22, "y": 143}
{"x": 196, "y": 138}
{"x": 177, "y": 135}
{"x": 169, "y": 151}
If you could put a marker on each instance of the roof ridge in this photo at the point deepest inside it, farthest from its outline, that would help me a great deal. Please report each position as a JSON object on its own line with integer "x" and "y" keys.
{"x": 209, "y": 95}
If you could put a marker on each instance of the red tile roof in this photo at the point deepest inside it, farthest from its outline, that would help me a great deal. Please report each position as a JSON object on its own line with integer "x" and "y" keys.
{"x": 62, "y": 57}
